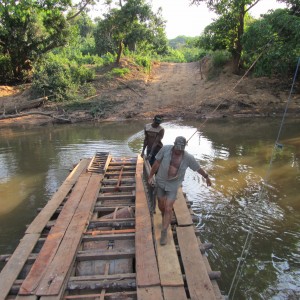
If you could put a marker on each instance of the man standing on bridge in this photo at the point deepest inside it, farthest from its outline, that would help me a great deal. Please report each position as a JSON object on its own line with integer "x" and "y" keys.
{"x": 154, "y": 133}
{"x": 170, "y": 164}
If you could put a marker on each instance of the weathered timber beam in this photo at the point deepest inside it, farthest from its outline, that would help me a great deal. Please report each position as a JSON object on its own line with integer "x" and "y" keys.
{"x": 114, "y": 181}
{"x": 213, "y": 275}
{"x": 5, "y": 257}
{"x": 103, "y": 277}
{"x": 108, "y": 296}
{"x": 104, "y": 237}
{"x": 111, "y": 209}
{"x": 120, "y": 188}
{"x": 114, "y": 224}
{"x": 99, "y": 255}
{"x": 115, "y": 197}
{"x": 118, "y": 168}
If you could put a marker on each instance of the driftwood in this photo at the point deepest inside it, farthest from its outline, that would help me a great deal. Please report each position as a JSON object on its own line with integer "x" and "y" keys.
{"x": 25, "y": 105}
{"x": 58, "y": 119}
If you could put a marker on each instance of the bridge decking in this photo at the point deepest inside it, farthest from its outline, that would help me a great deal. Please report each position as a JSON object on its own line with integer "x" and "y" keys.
{"x": 96, "y": 239}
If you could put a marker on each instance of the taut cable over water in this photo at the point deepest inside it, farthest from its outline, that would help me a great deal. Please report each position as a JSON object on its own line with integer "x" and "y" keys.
{"x": 247, "y": 244}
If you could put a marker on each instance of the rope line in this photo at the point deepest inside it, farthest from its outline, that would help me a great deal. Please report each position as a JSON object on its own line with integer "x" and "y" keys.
{"x": 246, "y": 247}
{"x": 262, "y": 51}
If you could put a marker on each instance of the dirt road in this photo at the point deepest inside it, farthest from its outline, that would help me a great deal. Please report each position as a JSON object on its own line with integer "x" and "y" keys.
{"x": 176, "y": 90}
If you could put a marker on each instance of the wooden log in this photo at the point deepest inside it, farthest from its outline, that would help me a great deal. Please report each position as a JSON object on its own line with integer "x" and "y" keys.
{"x": 105, "y": 237}
{"x": 205, "y": 246}
{"x": 24, "y": 105}
{"x": 108, "y": 296}
{"x": 103, "y": 254}
{"x": 124, "y": 284}
{"x": 102, "y": 277}
{"x": 122, "y": 213}
{"x": 114, "y": 224}
{"x": 110, "y": 232}
{"x": 115, "y": 197}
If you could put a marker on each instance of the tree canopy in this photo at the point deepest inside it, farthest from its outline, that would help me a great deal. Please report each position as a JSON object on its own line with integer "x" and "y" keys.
{"x": 130, "y": 23}
{"x": 31, "y": 28}
{"x": 232, "y": 20}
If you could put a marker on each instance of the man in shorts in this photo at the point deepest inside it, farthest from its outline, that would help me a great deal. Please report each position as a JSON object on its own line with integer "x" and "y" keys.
{"x": 170, "y": 164}
{"x": 154, "y": 133}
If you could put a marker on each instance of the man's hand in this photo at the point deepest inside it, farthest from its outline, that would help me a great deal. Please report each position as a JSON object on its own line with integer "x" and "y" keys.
{"x": 208, "y": 182}
{"x": 151, "y": 181}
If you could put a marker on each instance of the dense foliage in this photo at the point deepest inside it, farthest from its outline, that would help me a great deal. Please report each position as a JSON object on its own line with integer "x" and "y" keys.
{"x": 58, "y": 47}
{"x": 275, "y": 40}
{"x": 29, "y": 29}
{"x": 132, "y": 25}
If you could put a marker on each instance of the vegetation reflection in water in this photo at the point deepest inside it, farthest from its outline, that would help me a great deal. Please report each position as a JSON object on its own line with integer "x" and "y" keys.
{"x": 236, "y": 154}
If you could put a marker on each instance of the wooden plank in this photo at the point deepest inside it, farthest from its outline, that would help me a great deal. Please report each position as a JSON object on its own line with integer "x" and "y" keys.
{"x": 47, "y": 212}
{"x": 104, "y": 254}
{"x": 198, "y": 282}
{"x": 115, "y": 197}
{"x": 56, "y": 275}
{"x": 150, "y": 293}
{"x": 102, "y": 277}
{"x": 174, "y": 292}
{"x": 27, "y": 297}
{"x": 15, "y": 264}
{"x": 117, "y": 296}
{"x": 168, "y": 263}
{"x": 146, "y": 265}
{"x": 122, "y": 188}
{"x": 54, "y": 238}
{"x": 214, "y": 283}
{"x": 181, "y": 210}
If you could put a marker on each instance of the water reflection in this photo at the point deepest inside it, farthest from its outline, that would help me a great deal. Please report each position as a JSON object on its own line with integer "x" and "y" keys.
{"x": 236, "y": 154}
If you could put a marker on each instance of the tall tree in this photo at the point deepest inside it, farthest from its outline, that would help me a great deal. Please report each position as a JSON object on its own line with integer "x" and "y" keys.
{"x": 131, "y": 22}
{"x": 232, "y": 12}
{"x": 30, "y": 28}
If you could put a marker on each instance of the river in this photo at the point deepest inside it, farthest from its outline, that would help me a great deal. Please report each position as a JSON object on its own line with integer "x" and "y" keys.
{"x": 254, "y": 197}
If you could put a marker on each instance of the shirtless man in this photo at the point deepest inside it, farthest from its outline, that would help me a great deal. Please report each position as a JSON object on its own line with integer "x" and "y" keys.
{"x": 170, "y": 164}
{"x": 154, "y": 133}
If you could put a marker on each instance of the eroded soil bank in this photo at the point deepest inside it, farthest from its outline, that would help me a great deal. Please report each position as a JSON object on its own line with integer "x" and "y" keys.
{"x": 173, "y": 89}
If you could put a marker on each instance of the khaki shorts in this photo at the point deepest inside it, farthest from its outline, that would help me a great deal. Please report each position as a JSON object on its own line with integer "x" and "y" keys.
{"x": 170, "y": 195}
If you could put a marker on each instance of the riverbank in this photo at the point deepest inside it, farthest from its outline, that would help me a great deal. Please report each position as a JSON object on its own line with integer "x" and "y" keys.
{"x": 172, "y": 89}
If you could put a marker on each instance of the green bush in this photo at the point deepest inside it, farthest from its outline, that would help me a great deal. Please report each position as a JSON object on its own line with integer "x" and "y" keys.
{"x": 6, "y": 72}
{"x": 59, "y": 78}
{"x": 143, "y": 61}
{"x": 220, "y": 58}
{"x": 118, "y": 72}
{"x": 173, "y": 56}
{"x": 108, "y": 58}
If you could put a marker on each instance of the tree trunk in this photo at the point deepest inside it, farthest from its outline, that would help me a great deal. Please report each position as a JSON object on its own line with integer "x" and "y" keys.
{"x": 238, "y": 44}
{"x": 119, "y": 52}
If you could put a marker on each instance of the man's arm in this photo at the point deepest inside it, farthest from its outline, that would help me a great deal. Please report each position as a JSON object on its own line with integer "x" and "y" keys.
{"x": 205, "y": 175}
{"x": 153, "y": 171}
{"x": 157, "y": 140}
{"x": 145, "y": 143}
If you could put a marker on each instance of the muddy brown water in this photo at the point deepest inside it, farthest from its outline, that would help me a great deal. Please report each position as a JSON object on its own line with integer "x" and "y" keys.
{"x": 250, "y": 190}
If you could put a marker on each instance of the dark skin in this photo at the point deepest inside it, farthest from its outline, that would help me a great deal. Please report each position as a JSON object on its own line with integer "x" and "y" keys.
{"x": 152, "y": 142}
{"x": 165, "y": 205}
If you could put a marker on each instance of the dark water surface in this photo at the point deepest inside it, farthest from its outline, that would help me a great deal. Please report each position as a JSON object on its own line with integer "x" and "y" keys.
{"x": 250, "y": 191}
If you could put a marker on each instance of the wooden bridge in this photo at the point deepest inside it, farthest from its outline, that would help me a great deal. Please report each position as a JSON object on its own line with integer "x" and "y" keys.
{"x": 97, "y": 239}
